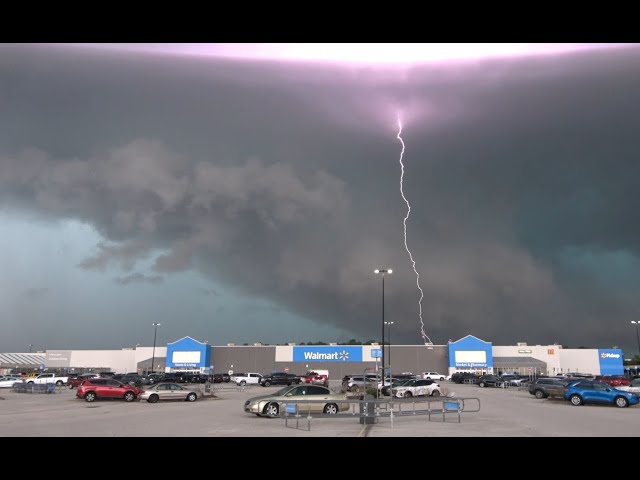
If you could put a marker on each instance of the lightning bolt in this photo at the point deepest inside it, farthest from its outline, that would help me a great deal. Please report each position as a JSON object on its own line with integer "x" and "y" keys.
{"x": 425, "y": 338}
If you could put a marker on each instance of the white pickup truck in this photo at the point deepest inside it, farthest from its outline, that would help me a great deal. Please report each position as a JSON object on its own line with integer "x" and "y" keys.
{"x": 243, "y": 379}
{"x": 45, "y": 378}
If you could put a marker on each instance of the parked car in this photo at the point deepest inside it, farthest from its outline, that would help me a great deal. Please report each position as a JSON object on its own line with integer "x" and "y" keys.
{"x": 613, "y": 380}
{"x": 358, "y": 383}
{"x": 221, "y": 377}
{"x": 587, "y": 391}
{"x": 317, "y": 377}
{"x": 547, "y": 387}
{"x": 243, "y": 379}
{"x": 634, "y": 386}
{"x": 269, "y": 405}
{"x": 395, "y": 382}
{"x": 195, "y": 378}
{"x": 152, "y": 378}
{"x": 77, "y": 381}
{"x": 279, "y": 378}
{"x": 464, "y": 377}
{"x": 170, "y": 378}
{"x": 7, "y": 382}
{"x": 586, "y": 376}
{"x": 417, "y": 388}
{"x": 129, "y": 379}
{"x": 433, "y": 376}
{"x": 490, "y": 381}
{"x": 514, "y": 380}
{"x": 95, "y": 388}
{"x": 168, "y": 391}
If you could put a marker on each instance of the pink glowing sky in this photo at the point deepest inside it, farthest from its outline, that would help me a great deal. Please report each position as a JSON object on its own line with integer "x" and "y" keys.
{"x": 253, "y": 188}
{"x": 385, "y": 54}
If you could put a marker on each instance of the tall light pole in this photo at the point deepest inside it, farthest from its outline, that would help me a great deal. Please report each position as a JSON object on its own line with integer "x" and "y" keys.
{"x": 637, "y": 335}
{"x": 383, "y": 272}
{"x": 389, "y": 325}
{"x": 153, "y": 357}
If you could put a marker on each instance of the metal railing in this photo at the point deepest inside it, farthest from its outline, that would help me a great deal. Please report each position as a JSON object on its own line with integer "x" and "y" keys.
{"x": 24, "y": 387}
{"x": 224, "y": 386}
{"x": 371, "y": 411}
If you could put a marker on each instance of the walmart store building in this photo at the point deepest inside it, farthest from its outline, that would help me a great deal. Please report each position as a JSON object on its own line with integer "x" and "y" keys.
{"x": 466, "y": 354}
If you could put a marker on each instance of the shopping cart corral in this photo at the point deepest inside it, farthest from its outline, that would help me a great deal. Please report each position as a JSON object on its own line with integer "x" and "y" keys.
{"x": 373, "y": 411}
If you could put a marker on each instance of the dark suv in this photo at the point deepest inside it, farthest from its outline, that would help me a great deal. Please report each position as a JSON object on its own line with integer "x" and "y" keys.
{"x": 490, "y": 381}
{"x": 130, "y": 379}
{"x": 464, "y": 377}
{"x": 279, "y": 378}
{"x": 171, "y": 378}
{"x": 548, "y": 387}
{"x": 221, "y": 377}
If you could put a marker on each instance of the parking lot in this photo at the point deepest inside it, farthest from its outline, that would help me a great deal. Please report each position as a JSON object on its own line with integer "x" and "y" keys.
{"x": 509, "y": 412}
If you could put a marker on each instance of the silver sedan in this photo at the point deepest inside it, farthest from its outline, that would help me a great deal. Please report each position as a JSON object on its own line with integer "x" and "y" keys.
{"x": 168, "y": 391}
{"x": 269, "y": 405}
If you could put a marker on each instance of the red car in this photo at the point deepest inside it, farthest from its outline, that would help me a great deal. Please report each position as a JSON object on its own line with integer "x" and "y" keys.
{"x": 74, "y": 382}
{"x": 614, "y": 381}
{"x": 317, "y": 377}
{"x": 94, "y": 388}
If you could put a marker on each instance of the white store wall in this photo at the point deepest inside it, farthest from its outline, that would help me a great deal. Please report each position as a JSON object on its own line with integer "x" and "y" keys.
{"x": 580, "y": 360}
{"x": 547, "y": 353}
{"x": 120, "y": 361}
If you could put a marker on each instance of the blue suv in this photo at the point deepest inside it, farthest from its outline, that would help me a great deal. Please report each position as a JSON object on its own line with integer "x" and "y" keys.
{"x": 586, "y": 391}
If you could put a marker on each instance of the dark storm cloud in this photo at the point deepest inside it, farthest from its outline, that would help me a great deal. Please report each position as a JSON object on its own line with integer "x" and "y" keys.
{"x": 127, "y": 255}
{"x": 283, "y": 181}
{"x": 36, "y": 292}
{"x": 139, "y": 278}
{"x": 208, "y": 291}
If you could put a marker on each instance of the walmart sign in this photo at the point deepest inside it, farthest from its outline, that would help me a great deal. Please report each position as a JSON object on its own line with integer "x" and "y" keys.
{"x": 327, "y": 354}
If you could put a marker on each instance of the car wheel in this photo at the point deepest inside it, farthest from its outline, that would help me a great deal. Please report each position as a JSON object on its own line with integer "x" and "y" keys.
{"x": 192, "y": 397}
{"x": 129, "y": 397}
{"x": 29, "y": 383}
{"x": 441, "y": 379}
{"x": 408, "y": 394}
{"x": 153, "y": 398}
{"x": 436, "y": 393}
{"x": 90, "y": 397}
{"x": 481, "y": 384}
{"x": 622, "y": 402}
{"x": 272, "y": 410}
{"x": 330, "y": 409}
{"x": 243, "y": 383}
{"x": 267, "y": 383}
{"x": 59, "y": 383}
{"x": 70, "y": 387}
{"x": 538, "y": 394}
{"x": 575, "y": 400}
{"x": 288, "y": 384}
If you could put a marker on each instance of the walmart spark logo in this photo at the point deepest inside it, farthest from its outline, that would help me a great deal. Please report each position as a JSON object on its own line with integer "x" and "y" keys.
{"x": 344, "y": 355}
